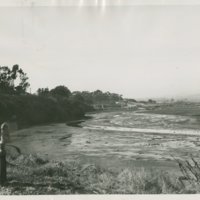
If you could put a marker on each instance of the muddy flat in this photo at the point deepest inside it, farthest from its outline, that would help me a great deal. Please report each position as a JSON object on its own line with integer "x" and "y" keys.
{"x": 116, "y": 140}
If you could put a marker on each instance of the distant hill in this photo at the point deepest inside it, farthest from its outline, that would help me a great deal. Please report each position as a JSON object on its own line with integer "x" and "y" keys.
{"x": 193, "y": 98}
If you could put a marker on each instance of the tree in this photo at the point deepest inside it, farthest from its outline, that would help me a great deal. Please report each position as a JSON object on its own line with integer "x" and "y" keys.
{"x": 13, "y": 81}
{"x": 98, "y": 96}
{"x": 151, "y": 101}
{"x": 88, "y": 98}
{"x": 43, "y": 91}
{"x": 61, "y": 91}
{"x": 5, "y": 83}
{"x": 77, "y": 97}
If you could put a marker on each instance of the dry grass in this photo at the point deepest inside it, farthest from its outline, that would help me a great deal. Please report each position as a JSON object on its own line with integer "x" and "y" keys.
{"x": 190, "y": 178}
{"x": 31, "y": 174}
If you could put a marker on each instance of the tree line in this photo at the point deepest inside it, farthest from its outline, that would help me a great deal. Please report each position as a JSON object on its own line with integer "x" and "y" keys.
{"x": 56, "y": 105}
{"x": 90, "y": 98}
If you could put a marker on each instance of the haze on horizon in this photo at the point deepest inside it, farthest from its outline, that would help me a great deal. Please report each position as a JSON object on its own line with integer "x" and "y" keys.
{"x": 136, "y": 51}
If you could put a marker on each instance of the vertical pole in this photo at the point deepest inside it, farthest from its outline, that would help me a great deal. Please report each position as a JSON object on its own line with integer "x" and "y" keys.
{"x": 3, "y": 175}
{"x": 4, "y": 134}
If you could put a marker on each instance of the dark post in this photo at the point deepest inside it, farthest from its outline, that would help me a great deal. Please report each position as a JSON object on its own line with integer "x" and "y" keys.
{"x": 4, "y": 137}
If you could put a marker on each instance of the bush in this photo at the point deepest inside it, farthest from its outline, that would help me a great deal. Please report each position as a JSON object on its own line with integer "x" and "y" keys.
{"x": 32, "y": 109}
{"x": 190, "y": 178}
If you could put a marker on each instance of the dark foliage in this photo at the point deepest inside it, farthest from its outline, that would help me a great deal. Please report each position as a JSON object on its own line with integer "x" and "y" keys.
{"x": 99, "y": 97}
{"x": 32, "y": 109}
{"x": 9, "y": 77}
{"x": 56, "y": 105}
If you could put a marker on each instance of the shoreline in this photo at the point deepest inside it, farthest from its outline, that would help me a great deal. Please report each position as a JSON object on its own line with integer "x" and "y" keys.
{"x": 71, "y": 141}
{"x": 76, "y": 123}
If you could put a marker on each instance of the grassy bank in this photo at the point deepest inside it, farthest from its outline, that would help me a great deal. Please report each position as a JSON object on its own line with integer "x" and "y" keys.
{"x": 32, "y": 174}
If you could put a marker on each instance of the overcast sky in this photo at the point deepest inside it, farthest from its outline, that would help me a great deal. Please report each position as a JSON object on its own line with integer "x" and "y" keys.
{"x": 137, "y": 51}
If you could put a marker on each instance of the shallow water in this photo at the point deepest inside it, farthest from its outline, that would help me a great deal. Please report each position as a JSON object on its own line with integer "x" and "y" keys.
{"x": 116, "y": 139}
{"x": 144, "y": 122}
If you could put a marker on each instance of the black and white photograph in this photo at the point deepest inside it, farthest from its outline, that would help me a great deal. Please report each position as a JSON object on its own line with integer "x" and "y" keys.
{"x": 99, "y": 97}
